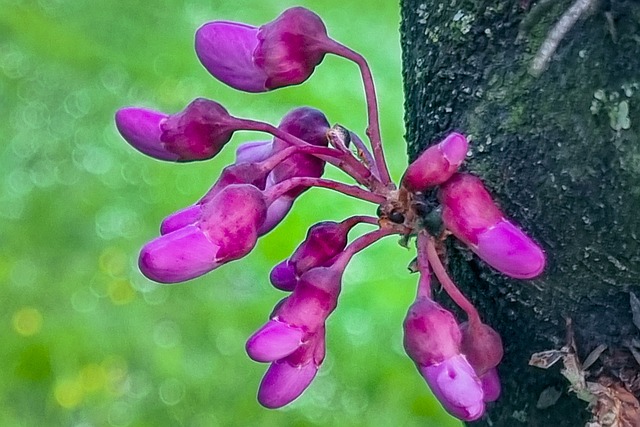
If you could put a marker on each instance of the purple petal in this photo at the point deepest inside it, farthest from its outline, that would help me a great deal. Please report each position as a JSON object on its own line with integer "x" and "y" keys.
{"x": 431, "y": 333}
{"x": 323, "y": 241}
{"x": 454, "y": 148}
{"x": 481, "y": 345}
{"x": 178, "y": 256}
{"x": 226, "y": 51}
{"x": 457, "y": 387}
{"x": 232, "y": 219}
{"x": 491, "y": 385}
{"x": 254, "y": 151}
{"x": 283, "y": 383}
{"x": 290, "y": 47}
{"x": 274, "y": 341}
{"x": 283, "y": 276}
{"x": 437, "y": 164}
{"x": 141, "y": 128}
{"x": 199, "y": 131}
{"x": 467, "y": 207}
{"x": 276, "y": 213}
{"x": 507, "y": 249}
{"x": 180, "y": 219}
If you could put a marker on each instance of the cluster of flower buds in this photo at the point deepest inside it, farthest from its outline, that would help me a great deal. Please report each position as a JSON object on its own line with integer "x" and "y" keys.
{"x": 252, "y": 196}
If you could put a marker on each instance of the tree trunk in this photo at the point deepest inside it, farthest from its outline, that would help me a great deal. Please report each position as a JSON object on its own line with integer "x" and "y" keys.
{"x": 556, "y": 138}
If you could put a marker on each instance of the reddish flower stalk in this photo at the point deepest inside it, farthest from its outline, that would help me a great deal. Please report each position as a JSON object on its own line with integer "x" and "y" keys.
{"x": 345, "y": 161}
{"x": 303, "y": 182}
{"x": 373, "y": 129}
{"x": 447, "y": 283}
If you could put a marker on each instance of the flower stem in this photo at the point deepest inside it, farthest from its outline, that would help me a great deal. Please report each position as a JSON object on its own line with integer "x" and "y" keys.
{"x": 282, "y": 155}
{"x": 424, "y": 283}
{"x": 283, "y": 187}
{"x": 373, "y": 129}
{"x": 448, "y": 284}
{"x": 352, "y": 221}
{"x": 344, "y": 161}
{"x": 359, "y": 244}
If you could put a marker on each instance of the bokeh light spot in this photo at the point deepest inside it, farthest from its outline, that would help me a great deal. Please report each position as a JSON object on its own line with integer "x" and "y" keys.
{"x": 116, "y": 370}
{"x": 113, "y": 261}
{"x": 166, "y": 334}
{"x": 68, "y": 393}
{"x": 92, "y": 377}
{"x": 121, "y": 292}
{"x": 27, "y": 321}
{"x": 171, "y": 391}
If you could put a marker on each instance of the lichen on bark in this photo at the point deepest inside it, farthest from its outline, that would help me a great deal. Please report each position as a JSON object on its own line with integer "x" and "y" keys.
{"x": 561, "y": 154}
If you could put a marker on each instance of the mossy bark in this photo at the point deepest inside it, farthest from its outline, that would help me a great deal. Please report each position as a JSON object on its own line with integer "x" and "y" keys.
{"x": 561, "y": 154}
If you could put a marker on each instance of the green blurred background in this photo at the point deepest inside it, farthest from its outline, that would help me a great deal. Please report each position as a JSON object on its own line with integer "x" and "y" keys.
{"x": 86, "y": 339}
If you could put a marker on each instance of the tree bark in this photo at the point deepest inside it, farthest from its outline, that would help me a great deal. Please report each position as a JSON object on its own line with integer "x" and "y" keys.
{"x": 559, "y": 148}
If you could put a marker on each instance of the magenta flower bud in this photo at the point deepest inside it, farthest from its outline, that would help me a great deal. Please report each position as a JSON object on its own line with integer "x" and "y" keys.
{"x": 180, "y": 219}
{"x": 243, "y": 173}
{"x": 283, "y": 383}
{"x": 491, "y": 385}
{"x": 290, "y": 47}
{"x": 283, "y": 276}
{"x": 324, "y": 241}
{"x": 234, "y": 216}
{"x": 455, "y": 384}
{"x": 287, "y": 378}
{"x": 178, "y": 256}
{"x": 226, "y": 51}
{"x": 472, "y": 216}
{"x": 311, "y": 126}
{"x": 226, "y": 230}
{"x": 274, "y": 341}
{"x": 282, "y": 52}
{"x": 506, "y": 248}
{"x": 431, "y": 333}
{"x": 437, "y": 164}
{"x": 141, "y": 128}
{"x": 276, "y": 212}
{"x": 313, "y": 299}
{"x": 482, "y": 346}
{"x": 253, "y": 151}
{"x": 198, "y": 132}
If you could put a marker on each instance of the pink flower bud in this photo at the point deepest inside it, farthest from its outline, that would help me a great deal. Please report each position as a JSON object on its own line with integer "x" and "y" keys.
{"x": 282, "y": 52}
{"x": 437, "y": 164}
{"x": 506, "y": 248}
{"x": 313, "y": 299}
{"x": 198, "y": 132}
{"x": 491, "y": 385}
{"x": 472, "y": 216}
{"x": 226, "y": 230}
{"x": 276, "y": 212}
{"x": 287, "y": 378}
{"x": 311, "y": 126}
{"x": 141, "y": 128}
{"x": 182, "y": 218}
{"x": 283, "y": 276}
{"x": 178, "y": 256}
{"x": 290, "y": 47}
{"x": 274, "y": 341}
{"x": 226, "y": 51}
{"x": 253, "y": 151}
{"x": 431, "y": 333}
{"x": 455, "y": 384}
{"x": 324, "y": 241}
{"x": 482, "y": 346}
